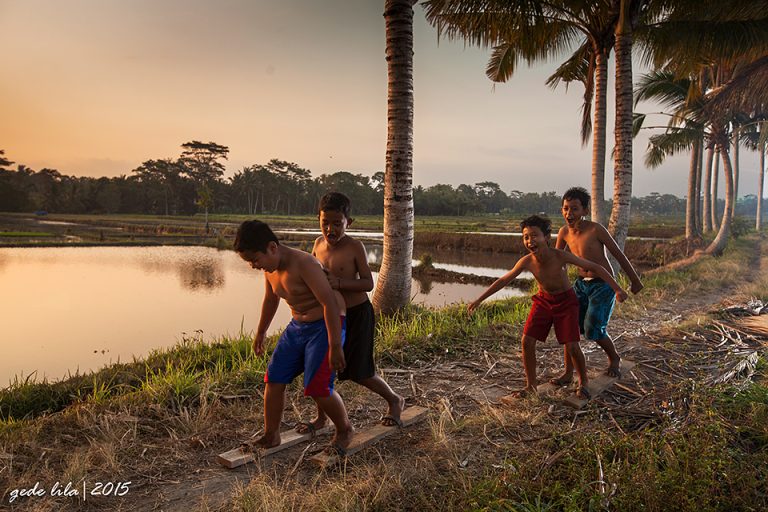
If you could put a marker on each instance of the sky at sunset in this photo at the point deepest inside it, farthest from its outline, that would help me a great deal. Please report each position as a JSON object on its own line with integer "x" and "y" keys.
{"x": 96, "y": 87}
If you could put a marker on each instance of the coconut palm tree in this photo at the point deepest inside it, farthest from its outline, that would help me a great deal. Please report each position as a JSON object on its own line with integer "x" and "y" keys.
{"x": 534, "y": 31}
{"x": 393, "y": 288}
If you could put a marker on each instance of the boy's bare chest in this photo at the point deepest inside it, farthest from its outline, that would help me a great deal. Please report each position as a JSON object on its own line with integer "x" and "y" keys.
{"x": 339, "y": 263}
{"x": 584, "y": 245}
{"x": 287, "y": 286}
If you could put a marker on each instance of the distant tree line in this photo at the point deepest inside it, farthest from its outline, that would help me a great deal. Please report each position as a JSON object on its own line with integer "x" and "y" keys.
{"x": 193, "y": 183}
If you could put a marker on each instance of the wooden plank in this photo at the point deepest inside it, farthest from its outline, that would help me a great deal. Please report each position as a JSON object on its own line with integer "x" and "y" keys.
{"x": 371, "y": 435}
{"x": 239, "y": 456}
{"x": 598, "y": 385}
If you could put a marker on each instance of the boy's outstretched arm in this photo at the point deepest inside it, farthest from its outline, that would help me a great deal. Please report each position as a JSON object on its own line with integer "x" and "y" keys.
{"x": 598, "y": 269}
{"x": 313, "y": 275}
{"x": 605, "y": 237}
{"x": 268, "y": 309}
{"x": 500, "y": 283}
{"x": 364, "y": 281}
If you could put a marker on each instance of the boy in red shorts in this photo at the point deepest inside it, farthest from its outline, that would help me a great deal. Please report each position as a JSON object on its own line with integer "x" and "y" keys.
{"x": 555, "y": 303}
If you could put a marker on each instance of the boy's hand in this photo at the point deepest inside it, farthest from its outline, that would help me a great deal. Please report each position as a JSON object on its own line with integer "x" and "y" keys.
{"x": 472, "y": 307}
{"x": 258, "y": 344}
{"x": 636, "y": 287}
{"x": 621, "y": 295}
{"x": 338, "y": 363}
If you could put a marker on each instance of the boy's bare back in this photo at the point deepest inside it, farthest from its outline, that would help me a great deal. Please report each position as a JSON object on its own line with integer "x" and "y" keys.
{"x": 290, "y": 283}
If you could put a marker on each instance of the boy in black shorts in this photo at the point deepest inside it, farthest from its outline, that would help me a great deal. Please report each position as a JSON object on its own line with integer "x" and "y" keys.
{"x": 346, "y": 264}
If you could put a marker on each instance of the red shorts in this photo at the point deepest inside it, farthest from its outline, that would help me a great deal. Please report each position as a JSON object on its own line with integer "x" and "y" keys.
{"x": 561, "y": 309}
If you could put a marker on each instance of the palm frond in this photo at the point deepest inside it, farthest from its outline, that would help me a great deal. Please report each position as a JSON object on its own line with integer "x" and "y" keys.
{"x": 637, "y": 123}
{"x": 667, "y": 144}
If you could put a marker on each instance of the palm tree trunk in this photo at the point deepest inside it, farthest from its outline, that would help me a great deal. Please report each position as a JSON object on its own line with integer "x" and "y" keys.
{"x": 715, "y": 177}
{"x": 707, "y": 214}
{"x": 735, "y": 171}
{"x": 393, "y": 288}
{"x": 699, "y": 165}
{"x": 622, "y": 165}
{"x": 721, "y": 240}
{"x": 760, "y": 186}
{"x": 690, "y": 204}
{"x": 598, "y": 138}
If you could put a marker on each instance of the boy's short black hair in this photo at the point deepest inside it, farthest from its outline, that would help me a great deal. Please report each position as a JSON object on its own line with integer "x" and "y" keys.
{"x": 254, "y": 235}
{"x": 335, "y": 202}
{"x": 579, "y": 193}
{"x": 543, "y": 223}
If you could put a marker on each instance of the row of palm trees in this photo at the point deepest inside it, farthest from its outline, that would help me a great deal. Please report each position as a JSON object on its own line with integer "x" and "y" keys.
{"x": 724, "y": 41}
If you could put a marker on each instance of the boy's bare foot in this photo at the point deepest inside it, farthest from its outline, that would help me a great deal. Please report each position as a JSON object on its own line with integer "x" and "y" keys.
{"x": 264, "y": 442}
{"x": 562, "y": 380}
{"x": 525, "y": 392}
{"x": 614, "y": 369}
{"x": 392, "y": 418}
{"x": 304, "y": 427}
{"x": 583, "y": 393}
{"x": 341, "y": 441}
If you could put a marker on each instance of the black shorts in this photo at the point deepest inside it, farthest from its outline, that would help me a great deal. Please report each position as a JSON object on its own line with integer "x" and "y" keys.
{"x": 358, "y": 345}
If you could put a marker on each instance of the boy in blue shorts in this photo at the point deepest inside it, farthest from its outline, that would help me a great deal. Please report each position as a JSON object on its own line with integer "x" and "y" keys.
{"x": 589, "y": 240}
{"x": 312, "y": 342}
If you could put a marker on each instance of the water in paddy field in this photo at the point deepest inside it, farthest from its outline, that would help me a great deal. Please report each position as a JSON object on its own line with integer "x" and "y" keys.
{"x": 79, "y": 308}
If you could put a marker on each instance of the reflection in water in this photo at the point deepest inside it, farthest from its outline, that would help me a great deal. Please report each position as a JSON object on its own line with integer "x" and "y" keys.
{"x": 76, "y": 309}
{"x": 201, "y": 275}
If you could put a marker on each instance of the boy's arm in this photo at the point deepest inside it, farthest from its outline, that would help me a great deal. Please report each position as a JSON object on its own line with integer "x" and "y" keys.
{"x": 598, "y": 269}
{"x": 560, "y": 243}
{"x": 500, "y": 283}
{"x": 364, "y": 281}
{"x": 607, "y": 240}
{"x": 268, "y": 309}
{"x": 314, "y": 277}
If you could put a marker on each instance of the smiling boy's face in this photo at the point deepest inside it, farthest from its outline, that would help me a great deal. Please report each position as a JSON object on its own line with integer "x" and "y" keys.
{"x": 573, "y": 211}
{"x": 333, "y": 225}
{"x": 534, "y": 239}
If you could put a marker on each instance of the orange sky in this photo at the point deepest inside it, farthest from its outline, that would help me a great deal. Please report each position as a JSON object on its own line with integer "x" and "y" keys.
{"x": 96, "y": 87}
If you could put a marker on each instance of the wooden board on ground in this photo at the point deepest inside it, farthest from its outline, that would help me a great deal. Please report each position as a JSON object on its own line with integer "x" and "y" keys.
{"x": 597, "y": 385}
{"x": 367, "y": 437}
{"x": 239, "y": 456}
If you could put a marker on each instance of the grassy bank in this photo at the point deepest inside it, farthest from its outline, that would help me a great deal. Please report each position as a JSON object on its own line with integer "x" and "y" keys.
{"x": 159, "y": 420}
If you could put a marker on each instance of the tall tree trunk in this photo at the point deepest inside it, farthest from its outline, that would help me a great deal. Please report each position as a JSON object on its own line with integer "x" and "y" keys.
{"x": 699, "y": 165}
{"x": 715, "y": 177}
{"x": 598, "y": 137}
{"x": 690, "y": 203}
{"x": 622, "y": 165}
{"x": 707, "y": 214}
{"x": 721, "y": 240}
{"x": 393, "y": 288}
{"x": 735, "y": 171}
{"x": 760, "y": 187}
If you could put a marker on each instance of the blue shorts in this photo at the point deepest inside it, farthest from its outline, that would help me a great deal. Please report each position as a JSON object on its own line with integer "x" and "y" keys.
{"x": 303, "y": 348}
{"x": 596, "y": 301}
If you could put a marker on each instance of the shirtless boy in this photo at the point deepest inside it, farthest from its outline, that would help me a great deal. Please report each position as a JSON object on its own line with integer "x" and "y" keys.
{"x": 589, "y": 240}
{"x": 555, "y": 303}
{"x": 346, "y": 263}
{"x": 312, "y": 341}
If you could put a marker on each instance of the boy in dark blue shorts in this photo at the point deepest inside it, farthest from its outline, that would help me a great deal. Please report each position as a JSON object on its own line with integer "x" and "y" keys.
{"x": 346, "y": 263}
{"x": 555, "y": 303}
{"x": 312, "y": 342}
{"x": 589, "y": 240}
